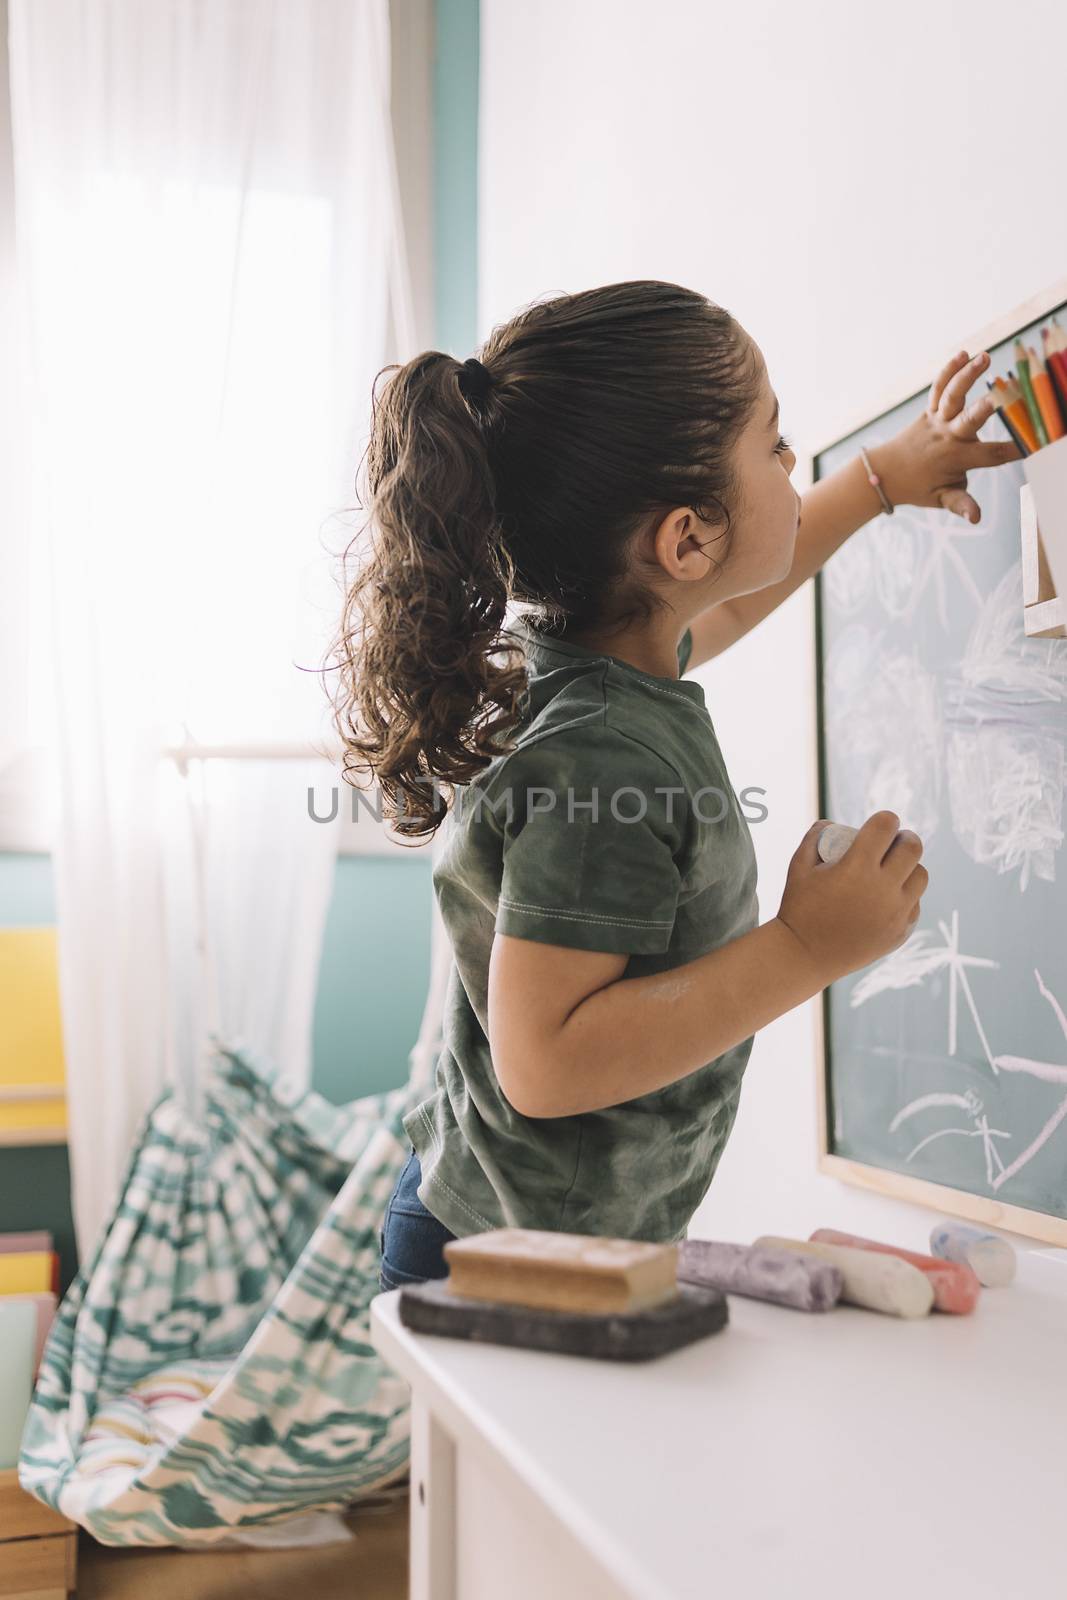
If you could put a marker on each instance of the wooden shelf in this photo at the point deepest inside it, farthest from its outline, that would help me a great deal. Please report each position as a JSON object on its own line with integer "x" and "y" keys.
{"x": 38, "y": 1546}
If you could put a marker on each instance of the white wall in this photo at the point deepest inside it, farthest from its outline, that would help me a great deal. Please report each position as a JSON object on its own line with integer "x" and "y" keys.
{"x": 411, "y": 48}
{"x": 829, "y": 172}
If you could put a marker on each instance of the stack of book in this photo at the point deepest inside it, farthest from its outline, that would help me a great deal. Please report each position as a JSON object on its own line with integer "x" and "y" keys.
{"x": 29, "y": 1294}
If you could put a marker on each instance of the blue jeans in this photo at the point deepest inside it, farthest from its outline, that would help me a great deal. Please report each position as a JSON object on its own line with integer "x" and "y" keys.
{"x": 412, "y": 1240}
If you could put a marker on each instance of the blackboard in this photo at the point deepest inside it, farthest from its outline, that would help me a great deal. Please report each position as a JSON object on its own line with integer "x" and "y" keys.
{"x": 943, "y": 1075}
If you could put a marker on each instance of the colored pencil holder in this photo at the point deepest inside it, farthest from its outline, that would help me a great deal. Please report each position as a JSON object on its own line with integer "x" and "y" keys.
{"x": 1043, "y": 526}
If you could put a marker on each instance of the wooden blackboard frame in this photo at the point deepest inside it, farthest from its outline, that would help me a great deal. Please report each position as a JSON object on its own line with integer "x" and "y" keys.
{"x": 920, "y": 1191}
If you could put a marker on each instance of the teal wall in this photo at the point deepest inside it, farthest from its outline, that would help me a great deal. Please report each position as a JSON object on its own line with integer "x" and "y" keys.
{"x": 376, "y": 961}
{"x": 26, "y": 897}
{"x": 374, "y": 974}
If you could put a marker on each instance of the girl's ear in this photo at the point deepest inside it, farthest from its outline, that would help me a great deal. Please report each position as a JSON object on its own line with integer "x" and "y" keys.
{"x": 671, "y": 541}
{"x": 672, "y": 532}
{"x": 679, "y": 542}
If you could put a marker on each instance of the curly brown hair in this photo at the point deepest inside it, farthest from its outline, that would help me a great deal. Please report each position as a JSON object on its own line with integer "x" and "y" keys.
{"x": 601, "y": 410}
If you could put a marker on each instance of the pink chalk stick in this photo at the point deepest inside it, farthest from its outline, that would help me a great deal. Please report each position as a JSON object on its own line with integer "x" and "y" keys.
{"x": 956, "y": 1285}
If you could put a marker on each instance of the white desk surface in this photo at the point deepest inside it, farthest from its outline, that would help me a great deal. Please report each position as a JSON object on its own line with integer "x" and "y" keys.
{"x": 855, "y": 1453}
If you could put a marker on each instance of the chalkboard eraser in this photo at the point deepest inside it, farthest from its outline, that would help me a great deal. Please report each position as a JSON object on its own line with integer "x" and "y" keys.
{"x": 991, "y": 1257}
{"x": 694, "y": 1313}
{"x": 835, "y": 839}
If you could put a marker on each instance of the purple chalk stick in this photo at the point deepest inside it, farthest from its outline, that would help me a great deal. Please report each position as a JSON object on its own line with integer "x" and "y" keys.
{"x": 784, "y": 1276}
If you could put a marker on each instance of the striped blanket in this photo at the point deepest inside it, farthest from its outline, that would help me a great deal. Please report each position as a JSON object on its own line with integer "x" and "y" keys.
{"x": 211, "y": 1368}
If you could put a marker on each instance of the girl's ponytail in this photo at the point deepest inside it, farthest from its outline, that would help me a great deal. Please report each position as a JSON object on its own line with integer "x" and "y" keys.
{"x": 529, "y": 478}
{"x": 423, "y": 693}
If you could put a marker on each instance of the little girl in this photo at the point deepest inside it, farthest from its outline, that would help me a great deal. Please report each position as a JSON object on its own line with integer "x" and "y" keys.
{"x": 613, "y": 463}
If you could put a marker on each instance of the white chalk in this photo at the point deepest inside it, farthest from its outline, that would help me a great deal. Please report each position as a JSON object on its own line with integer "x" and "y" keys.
{"x": 835, "y": 839}
{"x": 991, "y": 1257}
{"x": 872, "y": 1279}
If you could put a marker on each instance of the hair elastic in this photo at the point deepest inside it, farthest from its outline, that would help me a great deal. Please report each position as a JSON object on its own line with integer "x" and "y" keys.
{"x": 474, "y": 380}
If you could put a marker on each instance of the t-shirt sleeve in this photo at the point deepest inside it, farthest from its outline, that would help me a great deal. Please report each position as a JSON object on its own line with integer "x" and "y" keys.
{"x": 603, "y": 879}
{"x": 685, "y": 649}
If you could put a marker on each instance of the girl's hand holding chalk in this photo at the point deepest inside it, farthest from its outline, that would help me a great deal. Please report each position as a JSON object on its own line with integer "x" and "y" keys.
{"x": 848, "y": 913}
{"x": 834, "y": 840}
{"x": 926, "y": 464}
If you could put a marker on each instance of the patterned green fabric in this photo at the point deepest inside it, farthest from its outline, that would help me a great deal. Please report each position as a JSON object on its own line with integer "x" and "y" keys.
{"x": 663, "y": 871}
{"x": 211, "y": 1367}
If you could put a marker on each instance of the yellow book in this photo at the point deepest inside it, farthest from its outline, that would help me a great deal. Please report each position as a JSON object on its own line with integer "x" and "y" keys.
{"x": 25, "y": 1271}
{"x": 32, "y": 1089}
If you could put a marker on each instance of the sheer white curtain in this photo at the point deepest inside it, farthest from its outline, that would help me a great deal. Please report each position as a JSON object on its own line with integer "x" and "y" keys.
{"x": 247, "y": 879}
{"x": 210, "y": 255}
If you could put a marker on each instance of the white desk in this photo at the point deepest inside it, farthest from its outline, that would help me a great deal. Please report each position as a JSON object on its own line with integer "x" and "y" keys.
{"x": 843, "y": 1454}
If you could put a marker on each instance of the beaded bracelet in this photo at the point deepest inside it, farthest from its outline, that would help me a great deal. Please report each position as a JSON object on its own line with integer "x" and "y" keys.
{"x": 876, "y": 483}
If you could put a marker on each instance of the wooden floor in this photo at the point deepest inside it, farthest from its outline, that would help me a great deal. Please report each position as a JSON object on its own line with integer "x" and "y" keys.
{"x": 373, "y": 1566}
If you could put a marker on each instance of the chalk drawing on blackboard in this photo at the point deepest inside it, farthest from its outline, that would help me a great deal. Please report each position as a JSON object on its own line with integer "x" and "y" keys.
{"x": 1005, "y": 757}
{"x": 949, "y": 593}
{"x": 1052, "y": 1072}
{"x": 917, "y": 548}
{"x": 1029, "y": 674}
{"x": 912, "y": 963}
{"x": 975, "y": 1107}
{"x": 886, "y": 711}
{"x": 1006, "y": 799}
{"x": 849, "y": 575}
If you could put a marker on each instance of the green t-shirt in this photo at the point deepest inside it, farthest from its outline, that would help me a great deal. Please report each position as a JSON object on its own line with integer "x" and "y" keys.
{"x": 662, "y": 873}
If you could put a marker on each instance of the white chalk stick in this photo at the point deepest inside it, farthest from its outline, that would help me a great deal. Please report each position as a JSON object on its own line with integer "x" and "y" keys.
{"x": 873, "y": 1280}
{"x": 835, "y": 839}
{"x": 991, "y": 1257}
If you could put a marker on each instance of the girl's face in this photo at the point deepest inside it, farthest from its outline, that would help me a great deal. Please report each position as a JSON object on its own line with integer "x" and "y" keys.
{"x": 764, "y": 527}
{"x": 764, "y": 531}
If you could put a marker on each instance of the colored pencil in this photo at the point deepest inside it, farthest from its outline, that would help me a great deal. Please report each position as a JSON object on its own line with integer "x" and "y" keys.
{"x": 1015, "y": 408}
{"x": 1059, "y": 348}
{"x": 1055, "y": 341}
{"x": 1022, "y": 368}
{"x": 1045, "y": 395}
{"x": 1002, "y": 413}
